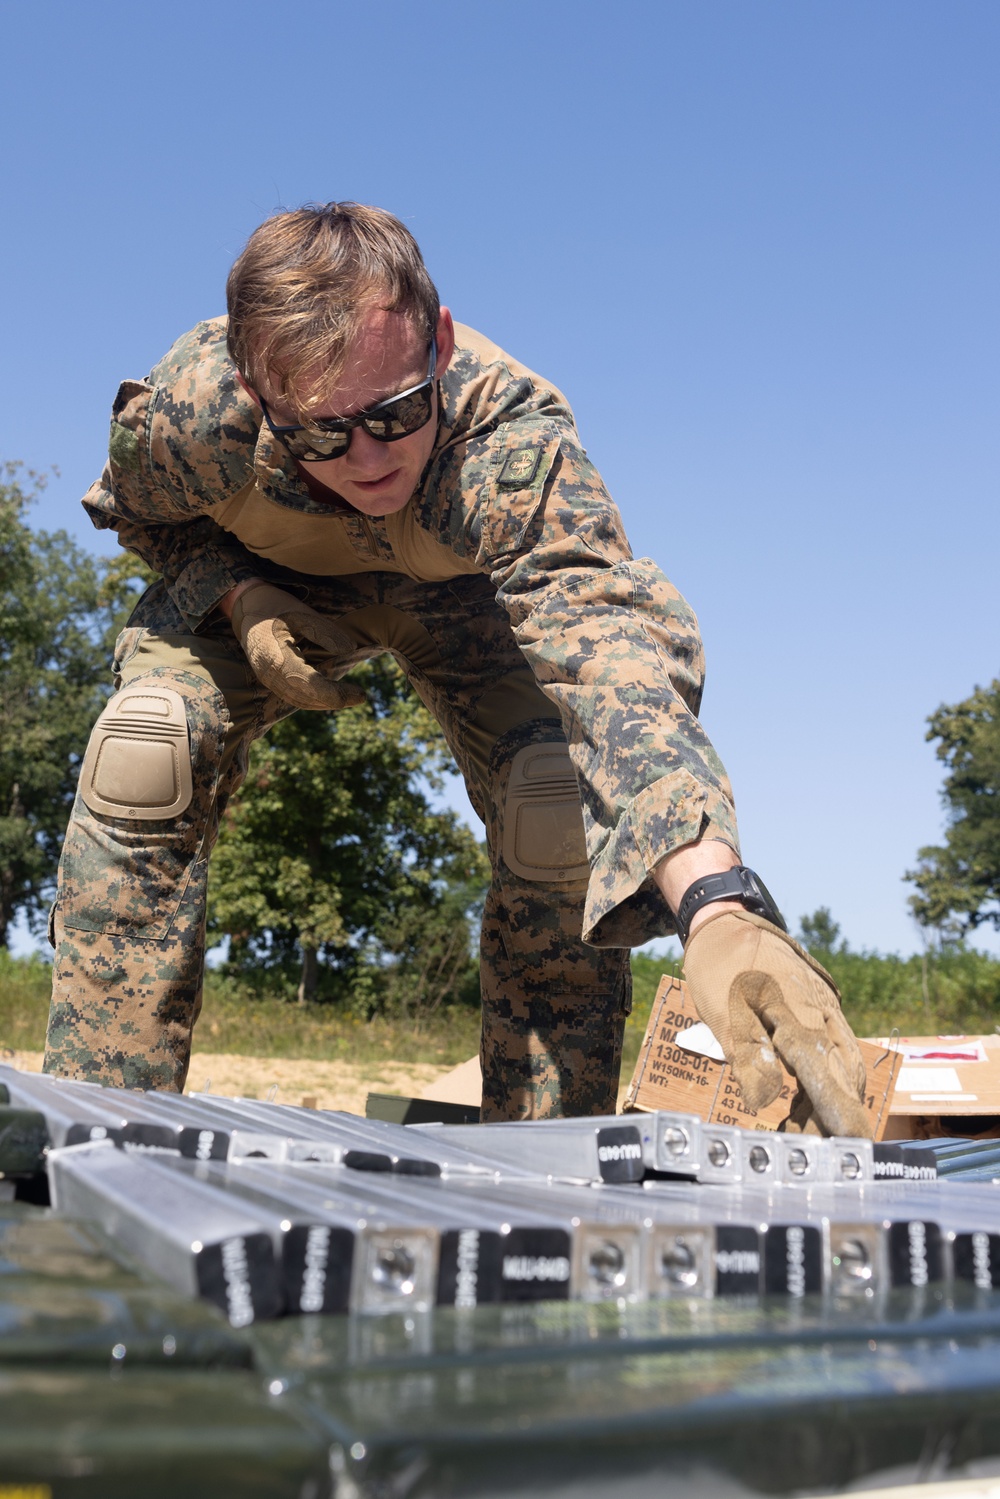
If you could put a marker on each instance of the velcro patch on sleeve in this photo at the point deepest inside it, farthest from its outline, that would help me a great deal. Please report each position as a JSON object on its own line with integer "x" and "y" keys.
{"x": 123, "y": 448}
{"x": 520, "y": 467}
{"x": 515, "y": 495}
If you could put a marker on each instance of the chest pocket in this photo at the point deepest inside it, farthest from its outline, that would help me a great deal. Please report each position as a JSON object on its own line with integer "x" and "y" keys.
{"x": 521, "y": 467}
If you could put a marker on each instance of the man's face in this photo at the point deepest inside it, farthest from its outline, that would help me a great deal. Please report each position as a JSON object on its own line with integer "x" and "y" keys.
{"x": 387, "y": 356}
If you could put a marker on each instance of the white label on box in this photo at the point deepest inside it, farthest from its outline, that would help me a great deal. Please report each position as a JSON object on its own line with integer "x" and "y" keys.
{"x": 928, "y": 1079}
{"x": 699, "y": 1039}
{"x": 946, "y": 1051}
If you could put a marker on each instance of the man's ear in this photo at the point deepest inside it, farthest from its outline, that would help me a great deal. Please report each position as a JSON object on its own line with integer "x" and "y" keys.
{"x": 445, "y": 340}
{"x": 255, "y": 398}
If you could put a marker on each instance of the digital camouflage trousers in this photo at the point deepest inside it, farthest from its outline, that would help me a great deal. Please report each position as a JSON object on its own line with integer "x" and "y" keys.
{"x": 128, "y": 925}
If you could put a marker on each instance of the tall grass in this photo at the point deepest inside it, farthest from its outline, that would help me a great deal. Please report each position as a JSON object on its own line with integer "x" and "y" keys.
{"x": 25, "y": 984}
{"x": 948, "y": 991}
{"x": 232, "y": 1021}
{"x": 953, "y": 991}
{"x": 242, "y": 1022}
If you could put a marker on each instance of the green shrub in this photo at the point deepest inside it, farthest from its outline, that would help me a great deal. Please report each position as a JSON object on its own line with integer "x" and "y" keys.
{"x": 25, "y": 985}
{"x": 950, "y": 991}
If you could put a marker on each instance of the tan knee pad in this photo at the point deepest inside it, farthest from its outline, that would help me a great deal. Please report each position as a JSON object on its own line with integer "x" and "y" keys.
{"x": 138, "y": 761}
{"x": 125, "y": 870}
{"x": 543, "y": 835}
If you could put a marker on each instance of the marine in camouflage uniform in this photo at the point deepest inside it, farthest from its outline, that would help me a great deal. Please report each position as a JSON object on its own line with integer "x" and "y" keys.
{"x": 562, "y": 671}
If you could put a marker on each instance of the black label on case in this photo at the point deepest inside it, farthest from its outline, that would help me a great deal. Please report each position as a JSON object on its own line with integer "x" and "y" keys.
{"x": 367, "y": 1160}
{"x": 976, "y": 1258}
{"x": 793, "y": 1259}
{"x": 888, "y": 1161}
{"x": 316, "y": 1266}
{"x": 469, "y": 1272}
{"x": 737, "y": 1260}
{"x": 535, "y": 1265}
{"x": 619, "y": 1153}
{"x": 920, "y": 1166}
{"x": 415, "y": 1166}
{"x": 239, "y": 1275}
{"x": 204, "y": 1144}
{"x": 899, "y": 1163}
{"x": 85, "y": 1134}
{"x": 915, "y": 1253}
{"x": 24, "y": 1136}
{"x": 143, "y": 1136}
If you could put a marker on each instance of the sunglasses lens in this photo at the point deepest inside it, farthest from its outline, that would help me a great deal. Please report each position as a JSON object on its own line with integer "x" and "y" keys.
{"x": 399, "y": 418}
{"x": 313, "y": 447}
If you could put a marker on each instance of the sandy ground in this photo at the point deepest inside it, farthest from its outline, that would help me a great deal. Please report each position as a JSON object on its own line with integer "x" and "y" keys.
{"x": 318, "y": 1085}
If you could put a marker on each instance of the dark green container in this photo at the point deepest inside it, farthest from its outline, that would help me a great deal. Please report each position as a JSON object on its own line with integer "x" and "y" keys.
{"x": 24, "y": 1137}
{"x": 64, "y": 1299}
{"x": 141, "y": 1434}
{"x": 682, "y": 1400}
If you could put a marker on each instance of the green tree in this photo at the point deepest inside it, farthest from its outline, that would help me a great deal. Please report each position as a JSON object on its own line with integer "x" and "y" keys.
{"x": 332, "y": 864}
{"x": 55, "y": 649}
{"x": 958, "y": 882}
{"x": 947, "y": 988}
{"x": 124, "y": 579}
{"x": 819, "y": 933}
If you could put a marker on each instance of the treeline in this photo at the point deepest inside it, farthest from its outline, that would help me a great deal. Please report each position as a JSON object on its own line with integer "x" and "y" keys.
{"x": 60, "y": 611}
{"x": 949, "y": 988}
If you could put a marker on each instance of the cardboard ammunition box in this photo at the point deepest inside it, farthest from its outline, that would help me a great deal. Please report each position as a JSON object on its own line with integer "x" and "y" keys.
{"x": 681, "y": 1067}
{"x": 945, "y": 1085}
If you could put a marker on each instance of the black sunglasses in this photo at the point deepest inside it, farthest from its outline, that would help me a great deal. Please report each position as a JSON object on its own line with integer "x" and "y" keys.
{"x": 397, "y": 417}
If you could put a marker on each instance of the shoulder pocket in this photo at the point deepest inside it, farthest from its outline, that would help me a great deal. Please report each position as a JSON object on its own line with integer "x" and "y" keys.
{"x": 129, "y": 416}
{"x": 521, "y": 464}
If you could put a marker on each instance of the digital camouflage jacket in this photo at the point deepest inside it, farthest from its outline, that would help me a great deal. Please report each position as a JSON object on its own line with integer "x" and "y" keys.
{"x": 197, "y": 486}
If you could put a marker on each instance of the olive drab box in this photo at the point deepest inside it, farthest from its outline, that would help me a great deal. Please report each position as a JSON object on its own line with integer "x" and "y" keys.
{"x": 680, "y": 1067}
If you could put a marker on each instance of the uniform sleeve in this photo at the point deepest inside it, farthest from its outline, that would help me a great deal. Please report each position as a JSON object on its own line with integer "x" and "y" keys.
{"x": 617, "y": 648}
{"x": 159, "y": 519}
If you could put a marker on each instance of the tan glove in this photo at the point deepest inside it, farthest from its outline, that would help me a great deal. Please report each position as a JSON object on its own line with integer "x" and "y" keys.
{"x": 760, "y": 994}
{"x": 269, "y": 624}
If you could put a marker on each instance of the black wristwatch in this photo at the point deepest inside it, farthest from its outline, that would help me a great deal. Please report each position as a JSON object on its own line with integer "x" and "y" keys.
{"x": 736, "y": 884}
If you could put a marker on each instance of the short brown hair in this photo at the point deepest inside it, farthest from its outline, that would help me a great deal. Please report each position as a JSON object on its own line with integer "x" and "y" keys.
{"x": 298, "y": 292}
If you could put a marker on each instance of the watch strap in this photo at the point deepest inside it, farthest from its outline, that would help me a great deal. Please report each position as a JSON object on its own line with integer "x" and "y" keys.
{"x": 740, "y": 884}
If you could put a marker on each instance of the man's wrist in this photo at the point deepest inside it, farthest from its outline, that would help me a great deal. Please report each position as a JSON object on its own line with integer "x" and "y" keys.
{"x": 721, "y": 891}
{"x": 679, "y": 870}
{"x": 675, "y": 874}
{"x": 717, "y": 908}
{"x": 227, "y": 601}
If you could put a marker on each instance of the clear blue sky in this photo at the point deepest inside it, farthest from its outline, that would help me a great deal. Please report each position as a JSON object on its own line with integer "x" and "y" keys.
{"x": 755, "y": 241}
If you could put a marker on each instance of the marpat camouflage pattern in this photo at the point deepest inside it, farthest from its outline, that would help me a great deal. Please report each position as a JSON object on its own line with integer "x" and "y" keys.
{"x": 508, "y": 593}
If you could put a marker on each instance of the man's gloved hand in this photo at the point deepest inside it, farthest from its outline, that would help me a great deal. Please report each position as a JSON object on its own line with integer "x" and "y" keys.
{"x": 268, "y": 622}
{"x": 760, "y": 993}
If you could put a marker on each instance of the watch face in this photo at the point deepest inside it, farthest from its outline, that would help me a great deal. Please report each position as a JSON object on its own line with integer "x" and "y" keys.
{"x": 755, "y": 886}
